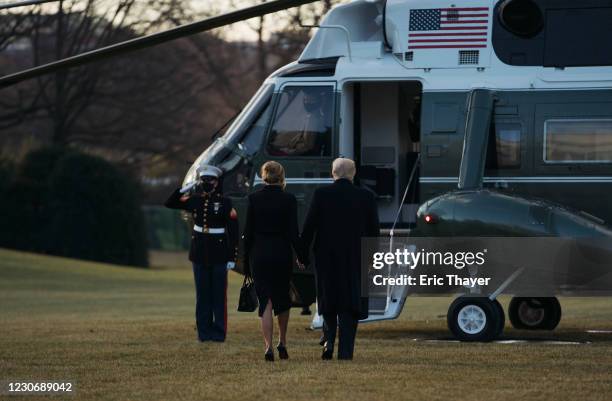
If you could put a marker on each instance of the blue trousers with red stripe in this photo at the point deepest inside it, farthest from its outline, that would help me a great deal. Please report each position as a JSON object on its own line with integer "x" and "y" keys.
{"x": 211, "y": 301}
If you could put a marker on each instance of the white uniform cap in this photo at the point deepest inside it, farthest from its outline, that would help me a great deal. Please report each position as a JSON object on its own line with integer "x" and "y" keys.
{"x": 206, "y": 170}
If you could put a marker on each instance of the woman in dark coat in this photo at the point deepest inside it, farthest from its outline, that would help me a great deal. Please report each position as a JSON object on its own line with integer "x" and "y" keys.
{"x": 271, "y": 235}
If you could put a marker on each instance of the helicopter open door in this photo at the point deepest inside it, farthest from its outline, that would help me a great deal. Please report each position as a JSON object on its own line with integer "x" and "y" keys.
{"x": 386, "y": 137}
{"x": 380, "y": 130}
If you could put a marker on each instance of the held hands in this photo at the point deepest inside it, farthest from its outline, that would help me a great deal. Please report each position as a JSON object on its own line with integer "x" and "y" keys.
{"x": 300, "y": 265}
{"x": 231, "y": 265}
{"x": 188, "y": 187}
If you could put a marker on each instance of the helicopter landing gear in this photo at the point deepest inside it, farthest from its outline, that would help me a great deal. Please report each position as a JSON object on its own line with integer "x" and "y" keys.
{"x": 534, "y": 313}
{"x": 501, "y": 318}
{"x": 475, "y": 319}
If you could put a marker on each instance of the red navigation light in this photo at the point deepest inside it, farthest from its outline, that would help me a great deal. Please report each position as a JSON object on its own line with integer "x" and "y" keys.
{"x": 429, "y": 219}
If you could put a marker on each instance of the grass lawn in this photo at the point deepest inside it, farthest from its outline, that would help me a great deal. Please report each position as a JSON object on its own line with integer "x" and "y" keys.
{"x": 128, "y": 334}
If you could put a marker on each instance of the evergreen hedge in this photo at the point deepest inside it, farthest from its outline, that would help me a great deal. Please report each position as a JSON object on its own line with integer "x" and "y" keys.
{"x": 67, "y": 203}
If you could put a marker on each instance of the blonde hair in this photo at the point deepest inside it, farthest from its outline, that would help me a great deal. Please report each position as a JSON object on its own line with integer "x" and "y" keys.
{"x": 343, "y": 168}
{"x": 273, "y": 173}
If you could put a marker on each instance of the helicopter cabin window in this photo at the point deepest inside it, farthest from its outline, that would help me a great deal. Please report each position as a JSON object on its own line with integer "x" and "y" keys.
{"x": 303, "y": 122}
{"x": 578, "y": 141}
{"x": 505, "y": 147}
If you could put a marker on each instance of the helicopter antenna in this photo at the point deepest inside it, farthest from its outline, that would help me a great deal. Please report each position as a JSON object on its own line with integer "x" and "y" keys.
{"x": 153, "y": 39}
{"x": 25, "y": 3}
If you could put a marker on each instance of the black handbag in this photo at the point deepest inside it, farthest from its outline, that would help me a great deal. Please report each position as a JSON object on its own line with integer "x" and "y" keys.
{"x": 294, "y": 295}
{"x": 248, "y": 298}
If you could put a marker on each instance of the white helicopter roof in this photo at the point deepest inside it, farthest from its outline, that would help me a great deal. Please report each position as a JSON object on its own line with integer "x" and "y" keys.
{"x": 445, "y": 44}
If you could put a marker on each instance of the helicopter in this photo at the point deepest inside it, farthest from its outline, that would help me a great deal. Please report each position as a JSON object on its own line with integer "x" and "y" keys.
{"x": 464, "y": 118}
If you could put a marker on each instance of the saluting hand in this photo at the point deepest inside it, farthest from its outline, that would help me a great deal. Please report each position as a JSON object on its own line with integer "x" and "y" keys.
{"x": 188, "y": 187}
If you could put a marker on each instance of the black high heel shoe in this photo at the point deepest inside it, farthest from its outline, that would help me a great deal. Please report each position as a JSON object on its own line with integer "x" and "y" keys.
{"x": 328, "y": 352}
{"x": 269, "y": 355}
{"x": 282, "y": 351}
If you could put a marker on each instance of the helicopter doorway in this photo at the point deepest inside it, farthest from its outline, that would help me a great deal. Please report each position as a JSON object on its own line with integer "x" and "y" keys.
{"x": 386, "y": 145}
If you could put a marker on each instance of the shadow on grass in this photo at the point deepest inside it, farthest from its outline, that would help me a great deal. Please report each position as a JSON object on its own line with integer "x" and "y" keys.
{"x": 566, "y": 335}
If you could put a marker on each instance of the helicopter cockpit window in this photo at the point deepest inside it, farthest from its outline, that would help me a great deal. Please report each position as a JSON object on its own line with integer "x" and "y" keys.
{"x": 251, "y": 142}
{"x": 236, "y": 176}
{"x": 238, "y": 166}
{"x": 303, "y": 122}
{"x": 253, "y": 107}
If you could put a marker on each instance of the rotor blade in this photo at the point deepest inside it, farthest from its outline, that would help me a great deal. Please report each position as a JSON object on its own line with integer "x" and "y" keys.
{"x": 25, "y": 3}
{"x": 153, "y": 39}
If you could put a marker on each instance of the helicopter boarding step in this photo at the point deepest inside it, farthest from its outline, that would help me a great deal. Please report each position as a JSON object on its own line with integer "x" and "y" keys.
{"x": 385, "y": 303}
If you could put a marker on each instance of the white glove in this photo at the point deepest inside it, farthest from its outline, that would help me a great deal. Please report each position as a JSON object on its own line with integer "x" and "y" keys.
{"x": 230, "y": 265}
{"x": 188, "y": 187}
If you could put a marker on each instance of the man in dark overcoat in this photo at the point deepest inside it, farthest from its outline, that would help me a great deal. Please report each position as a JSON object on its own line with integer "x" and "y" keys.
{"x": 340, "y": 215}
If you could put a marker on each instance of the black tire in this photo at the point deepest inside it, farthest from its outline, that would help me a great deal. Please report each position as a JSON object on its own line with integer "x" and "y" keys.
{"x": 534, "y": 313}
{"x": 486, "y": 314}
{"x": 554, "y": 307}
{"x": 501, "y": 319}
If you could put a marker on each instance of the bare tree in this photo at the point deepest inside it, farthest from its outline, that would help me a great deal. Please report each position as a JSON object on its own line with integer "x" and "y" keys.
{"x": 155, "y": 109}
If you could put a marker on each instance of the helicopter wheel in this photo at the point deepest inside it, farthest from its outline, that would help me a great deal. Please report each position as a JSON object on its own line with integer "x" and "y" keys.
{"x": 534, "y": 313}
{"x": 475, "y": 319}
{"x": 502, "y": 318}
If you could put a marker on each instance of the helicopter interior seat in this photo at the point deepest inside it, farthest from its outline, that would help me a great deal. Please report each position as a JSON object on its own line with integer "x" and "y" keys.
{"x": 323, "y": 142}
{"x": 379, "y": 180}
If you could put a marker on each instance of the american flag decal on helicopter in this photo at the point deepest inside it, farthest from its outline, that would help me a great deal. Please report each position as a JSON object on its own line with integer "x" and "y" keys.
{"x": 449, "y": 28}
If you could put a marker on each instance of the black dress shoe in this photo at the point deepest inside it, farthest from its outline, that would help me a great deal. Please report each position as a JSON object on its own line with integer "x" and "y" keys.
{"x": 269, "y": 355}
{"x": 322, "y": 341}
{"x": 328, "y": 354}
{"x": 282, "y": 351}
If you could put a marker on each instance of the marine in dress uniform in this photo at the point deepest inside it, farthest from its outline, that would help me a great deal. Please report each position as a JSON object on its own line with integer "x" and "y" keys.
{"x": 214, "y": 248}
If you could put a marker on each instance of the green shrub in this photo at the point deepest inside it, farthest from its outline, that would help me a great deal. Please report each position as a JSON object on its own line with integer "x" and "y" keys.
{"x": 37, "y": 166}
{"x": 166, "y": 230}
{"x": 31, "y": 197}
{"x": 76, "y": 205}
{"x": 10, "y": 218}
